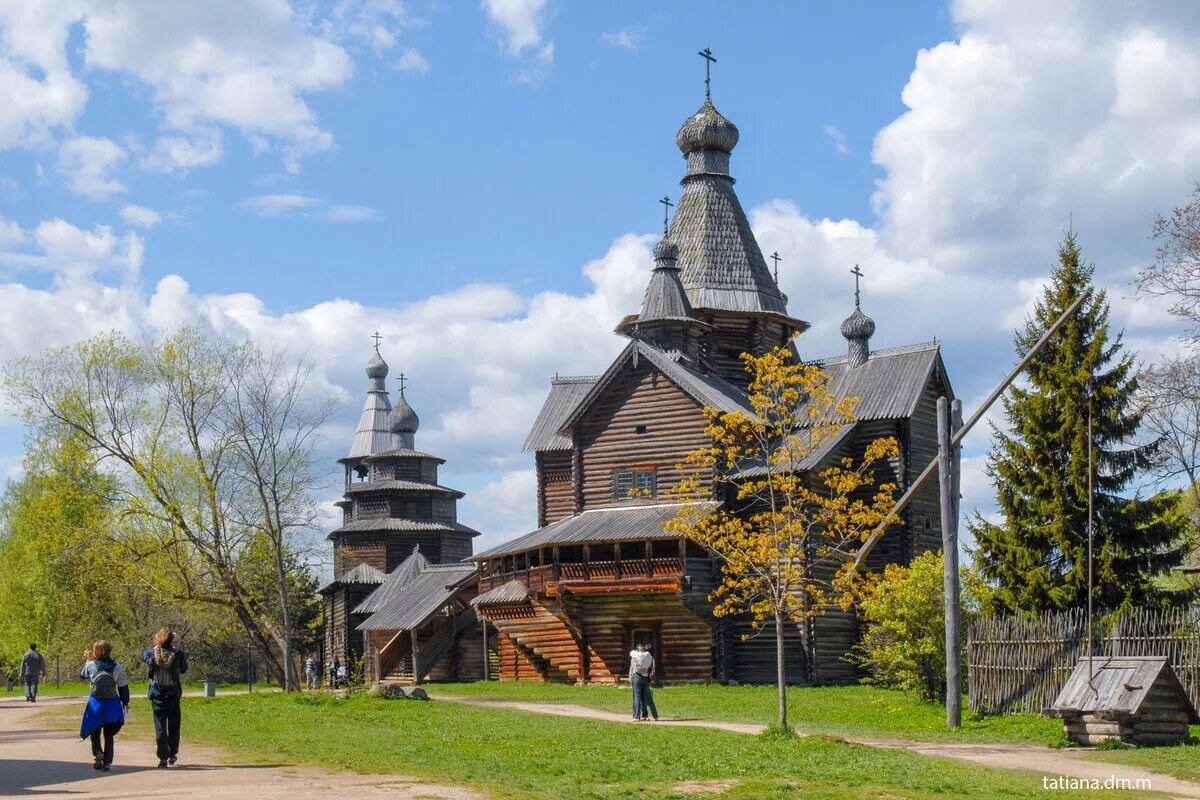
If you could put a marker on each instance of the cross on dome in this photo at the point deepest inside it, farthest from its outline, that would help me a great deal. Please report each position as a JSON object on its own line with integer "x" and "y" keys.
{"x": 709, "y": 60}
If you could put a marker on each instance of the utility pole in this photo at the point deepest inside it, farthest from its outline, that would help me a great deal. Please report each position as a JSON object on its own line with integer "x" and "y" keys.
{"x": 948, "y": 465}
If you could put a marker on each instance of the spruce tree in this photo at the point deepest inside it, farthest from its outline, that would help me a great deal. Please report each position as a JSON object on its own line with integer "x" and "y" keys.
{"x": 1036, "y": 557}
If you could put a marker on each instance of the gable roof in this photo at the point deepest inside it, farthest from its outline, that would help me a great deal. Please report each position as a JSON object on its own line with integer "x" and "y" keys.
{"x": 617, "y": 524}
{"x": 1117, "y": 687}
{"x": 565, "y": 395}
{"x": 512, "y": 592}
{"x": 890, "y": 383}
{"x": 395, "y": 580}
{"x": 363, "y": 574}
{"x": 425, "y": 594}
{"x": 707, "y": 389}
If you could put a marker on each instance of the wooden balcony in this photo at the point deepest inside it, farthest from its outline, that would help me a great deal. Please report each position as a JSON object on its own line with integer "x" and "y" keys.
{"x": 632, "y": 570}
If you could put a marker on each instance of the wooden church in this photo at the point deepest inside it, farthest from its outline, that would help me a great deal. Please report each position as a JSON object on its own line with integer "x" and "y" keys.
{"x": 601, "y": 574}
{"x": 398, "y": 607}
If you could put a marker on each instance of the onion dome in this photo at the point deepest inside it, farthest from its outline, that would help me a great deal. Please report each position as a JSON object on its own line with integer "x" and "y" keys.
{"x": 666, "y": 250}
{"x": 707, "y": 130}
{"x": 377, "y": 368}
{"x": 858, "y": 329}
{"x": 858, "y": 325}
{"x": 403, "y": 419}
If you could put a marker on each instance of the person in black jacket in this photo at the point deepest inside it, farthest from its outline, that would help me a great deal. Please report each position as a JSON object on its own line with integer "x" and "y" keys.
{"x": 166, "y": 662}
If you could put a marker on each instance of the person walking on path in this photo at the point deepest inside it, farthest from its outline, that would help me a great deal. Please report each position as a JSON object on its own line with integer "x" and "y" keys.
{"x": 651, "y": 679}
{"x": 33, "y": 667}
{"x": 108, "y": 702}
{"x": 310, "y": 673}
{"x": 640, "y": 664}
{"x": 166, "y": 662}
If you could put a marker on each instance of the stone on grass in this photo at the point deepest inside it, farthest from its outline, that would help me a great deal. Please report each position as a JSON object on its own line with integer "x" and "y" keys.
{"x": 388, "y": 691}
{"x": 417, "y": 693}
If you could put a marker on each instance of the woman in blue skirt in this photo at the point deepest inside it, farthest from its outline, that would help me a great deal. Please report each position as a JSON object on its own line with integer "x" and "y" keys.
{"x": 108, "y": 702}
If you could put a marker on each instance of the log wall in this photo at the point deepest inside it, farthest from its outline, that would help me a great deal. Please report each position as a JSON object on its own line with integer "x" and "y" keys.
{"x": 556, "y": 494}
{"x": 607, "y": 438}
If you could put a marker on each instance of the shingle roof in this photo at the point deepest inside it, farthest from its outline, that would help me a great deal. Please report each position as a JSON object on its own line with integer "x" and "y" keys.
{"x": 722, "y": 266}
{"x": 890, "y": 383}
{"x": 619, "y": 524}
{"x": 813, "y": 459}
{"x": 512, "y": 592}
{"x": 565, "y": 394}
{"x": 393, "y": 582}
{"x": 381, "y": 524}
{"x": 413, "y": 486}
{"x": 1117, "y": 687}
{"x": 426, "y": 594}
{"x": 708, "y": 389}
{"x": 363, "y": 574}
{"x": 403, "y": 452}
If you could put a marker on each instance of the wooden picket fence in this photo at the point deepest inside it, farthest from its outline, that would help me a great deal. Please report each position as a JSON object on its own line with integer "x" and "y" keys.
{"x": 1017, "y": 665}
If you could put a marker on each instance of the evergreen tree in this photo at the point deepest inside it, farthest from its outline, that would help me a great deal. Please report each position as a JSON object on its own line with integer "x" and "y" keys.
{"x": 1036, "y": 558}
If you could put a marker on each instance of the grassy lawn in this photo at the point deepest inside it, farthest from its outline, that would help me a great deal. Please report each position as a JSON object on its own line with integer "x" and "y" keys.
{"x": 78, "y": 688}
{"x": 519, "y": 755}
{"x": 851, "y": 711}
{"x": 1182, "y": 761}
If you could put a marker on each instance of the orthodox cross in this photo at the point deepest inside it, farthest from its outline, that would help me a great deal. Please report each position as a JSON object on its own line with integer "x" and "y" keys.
{"x": 403, "y": 383}
{"x": 666, "y": 201}
{"x": 377, "y": 338}
{"x": 857, "y": 273}
{"x": 707, "y": 55}
{"x": 775, "y": 257}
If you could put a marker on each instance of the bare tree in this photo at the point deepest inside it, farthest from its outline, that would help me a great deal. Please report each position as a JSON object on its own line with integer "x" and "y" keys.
{"x": 1171, "y": 396}
{"x": 212, "y": 461}
{"x": 1175, "y": 273}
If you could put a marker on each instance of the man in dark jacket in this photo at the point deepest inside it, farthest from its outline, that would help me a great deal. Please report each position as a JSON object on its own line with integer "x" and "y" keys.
{"x": 166, "y": 662}
{"x": 33, "y": 666}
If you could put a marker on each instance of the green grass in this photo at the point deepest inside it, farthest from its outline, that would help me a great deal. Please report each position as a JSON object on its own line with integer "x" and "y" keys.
{"x": 848, "y": 711}
{"x": 77, "y": 688}
{"x": 520, "y": 755}
{"x": 1182, "y": 761}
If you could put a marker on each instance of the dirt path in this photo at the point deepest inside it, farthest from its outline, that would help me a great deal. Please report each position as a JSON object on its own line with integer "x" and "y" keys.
{"x": 38, "y": 760}
{"x": 1048, "y": 761}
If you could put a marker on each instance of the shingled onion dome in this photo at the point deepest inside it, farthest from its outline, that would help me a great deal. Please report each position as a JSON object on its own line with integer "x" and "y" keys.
{"x": 372, "y": 435}
{"x": 666, "y": 319}
{"x": 707, "y": 130}
{"x": 403, "y": 423}
{"x": 858, "y": 329}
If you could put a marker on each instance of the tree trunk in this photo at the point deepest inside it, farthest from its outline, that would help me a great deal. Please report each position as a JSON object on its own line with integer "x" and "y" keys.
{"x": 780, "y": 671}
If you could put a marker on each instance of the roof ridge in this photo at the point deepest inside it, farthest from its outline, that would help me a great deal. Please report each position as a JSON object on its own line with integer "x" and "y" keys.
{"x": 574, "y": 379}
{"x": 932, "y": 344}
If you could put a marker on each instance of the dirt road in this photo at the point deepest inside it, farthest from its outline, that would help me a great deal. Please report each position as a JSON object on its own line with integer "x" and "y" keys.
{"x": 39, "y": 760}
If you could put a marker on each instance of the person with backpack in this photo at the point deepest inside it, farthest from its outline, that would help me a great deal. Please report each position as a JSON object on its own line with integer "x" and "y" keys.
{"x": 108, "y": 702}
{"x": 166, "y": 662}
{"x": 33, "y": 667}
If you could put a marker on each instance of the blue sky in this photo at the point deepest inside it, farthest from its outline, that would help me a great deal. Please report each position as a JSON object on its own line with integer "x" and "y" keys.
{"x": 479, "y": 181}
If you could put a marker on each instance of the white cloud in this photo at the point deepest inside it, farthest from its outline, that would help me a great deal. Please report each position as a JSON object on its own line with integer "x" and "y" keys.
{"x": 521, "y": 22}
{"x": 837, "y": 137}
{"x": 70, "y": 252}
{"x": 626, "y": 38}
{"x": 286, "y": 205}
{"x": 278, "y": 205}
{"x": 140, "y": 216}
{"x": 87, "y": 163}
{"x": 339, "y": 213}
{"x": 242, "y": 64}
{"x": 172, "y": 154}
{"x": 412, "y": 61}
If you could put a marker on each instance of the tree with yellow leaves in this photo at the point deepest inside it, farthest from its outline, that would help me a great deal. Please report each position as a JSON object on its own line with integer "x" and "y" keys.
{"x": 786, "y": 537}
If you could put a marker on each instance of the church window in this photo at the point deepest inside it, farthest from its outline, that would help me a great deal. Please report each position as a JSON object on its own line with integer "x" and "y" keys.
{"x": 641, "y": 430}
{"x": 634, "y": 483}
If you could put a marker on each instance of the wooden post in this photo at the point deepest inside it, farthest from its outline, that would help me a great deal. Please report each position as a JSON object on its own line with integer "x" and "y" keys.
{"x": 416, "y": 654}
{"x": 587, "y": 563}
{"x": 617, "y": 559}
{"x": 946, "y": 486}
{"x": 486, "y": 664}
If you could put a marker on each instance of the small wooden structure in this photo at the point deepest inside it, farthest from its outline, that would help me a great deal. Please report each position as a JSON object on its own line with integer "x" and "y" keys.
{"x": 1137, "y": 699}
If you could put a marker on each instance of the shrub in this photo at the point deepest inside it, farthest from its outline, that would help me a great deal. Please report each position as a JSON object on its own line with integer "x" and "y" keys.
{"x": 904, "y": 646}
